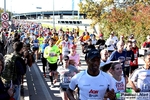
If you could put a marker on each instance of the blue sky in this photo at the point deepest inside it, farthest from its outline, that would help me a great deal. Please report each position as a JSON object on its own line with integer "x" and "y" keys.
{"x": 22, "y": 6}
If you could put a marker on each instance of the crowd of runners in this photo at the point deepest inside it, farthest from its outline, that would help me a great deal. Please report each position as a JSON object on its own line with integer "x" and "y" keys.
{"x": 111, "y": 63}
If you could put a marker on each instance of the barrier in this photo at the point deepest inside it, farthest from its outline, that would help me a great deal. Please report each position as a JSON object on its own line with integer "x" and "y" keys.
{"x": 69, "y": 22}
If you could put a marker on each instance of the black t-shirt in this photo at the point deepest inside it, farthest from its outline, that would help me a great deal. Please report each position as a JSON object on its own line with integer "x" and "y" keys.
{"x": 88, "y": 48}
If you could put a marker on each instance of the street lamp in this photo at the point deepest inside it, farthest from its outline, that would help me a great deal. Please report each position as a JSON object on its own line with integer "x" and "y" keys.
{"x": 4, "y": 6}
{"x": 36, "y": 11}
{"x": 53, "y": 15}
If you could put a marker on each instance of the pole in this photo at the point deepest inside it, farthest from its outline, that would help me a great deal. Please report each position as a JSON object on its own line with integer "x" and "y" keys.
{"x": 73, "y": 9}
{"x": 53, "y": 15}
{"x": 4, "y": 6}
{"x": 79, "y": 10}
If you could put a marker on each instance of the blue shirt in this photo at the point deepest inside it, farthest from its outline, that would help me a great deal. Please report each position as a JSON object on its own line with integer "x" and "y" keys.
{"x": 43, "y": 46}
{"x": 116, "y": 56}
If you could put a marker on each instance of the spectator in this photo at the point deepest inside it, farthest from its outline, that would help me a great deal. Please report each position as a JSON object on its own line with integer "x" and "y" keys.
{"x": 92, "y": 83}
{"x": 5, "y": 94}
{"x": 20, "y": 67}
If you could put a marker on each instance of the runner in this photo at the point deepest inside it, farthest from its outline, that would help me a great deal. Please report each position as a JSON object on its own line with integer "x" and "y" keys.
{"x": 141, "y": 76}
{"x": 51, "y": 53}
{"x": 89, "y": 81}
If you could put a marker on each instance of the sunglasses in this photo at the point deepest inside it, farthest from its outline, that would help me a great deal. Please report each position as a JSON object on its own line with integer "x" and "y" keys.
{"x": 66, "y": 59}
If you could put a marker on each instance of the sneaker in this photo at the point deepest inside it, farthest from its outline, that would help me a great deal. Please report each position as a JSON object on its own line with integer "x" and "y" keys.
{"x": 54, "y": 81}
{"x": 52, "y": 85}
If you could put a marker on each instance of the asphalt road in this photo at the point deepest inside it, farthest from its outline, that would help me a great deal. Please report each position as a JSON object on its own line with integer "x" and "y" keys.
{"x": 36, "y": 87}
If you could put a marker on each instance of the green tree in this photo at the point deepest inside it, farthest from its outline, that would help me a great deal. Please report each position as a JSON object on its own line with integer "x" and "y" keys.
{"x": 123, "y": 18}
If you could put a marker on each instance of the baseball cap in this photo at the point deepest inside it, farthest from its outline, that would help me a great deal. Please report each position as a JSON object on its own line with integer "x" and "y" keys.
{"x": 73, "y": 46}
{"x": 92, "y": 54}
{"x": 66, "y": 57}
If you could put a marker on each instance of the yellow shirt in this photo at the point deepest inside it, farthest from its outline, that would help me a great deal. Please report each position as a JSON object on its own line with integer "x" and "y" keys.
{"x": 40, "y": 40}
{"x": 49, "y": 52}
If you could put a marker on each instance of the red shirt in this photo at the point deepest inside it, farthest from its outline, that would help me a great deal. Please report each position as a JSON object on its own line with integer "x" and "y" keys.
{"x": 145, "y": 44}
{"x": 136, "y": 51}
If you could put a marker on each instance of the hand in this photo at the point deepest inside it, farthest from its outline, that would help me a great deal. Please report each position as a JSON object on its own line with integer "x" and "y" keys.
{"x": 110, "y": 94}
{"x": 137, "y": 90}
{"x": 10, "y": 92}
{"x": 134, "y": 61}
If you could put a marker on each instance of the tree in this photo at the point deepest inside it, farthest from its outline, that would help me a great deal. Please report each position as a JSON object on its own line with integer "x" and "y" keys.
{"x": 130, "y": 16}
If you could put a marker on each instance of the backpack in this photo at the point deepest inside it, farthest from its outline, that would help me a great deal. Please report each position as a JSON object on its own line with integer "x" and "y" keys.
{"x": 9, "y": 73}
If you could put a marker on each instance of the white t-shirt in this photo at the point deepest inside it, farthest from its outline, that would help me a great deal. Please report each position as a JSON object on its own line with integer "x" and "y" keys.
{"x": 94, "y": 41}
{"x": 119, "y": 85}
{"x": 65, "y": 47}
{"x": 91, "y": 87}
{"x": 142, "y": 76}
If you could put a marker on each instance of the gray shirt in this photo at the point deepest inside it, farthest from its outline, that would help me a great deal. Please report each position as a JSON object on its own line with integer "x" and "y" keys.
{"x": 67, "y": 73}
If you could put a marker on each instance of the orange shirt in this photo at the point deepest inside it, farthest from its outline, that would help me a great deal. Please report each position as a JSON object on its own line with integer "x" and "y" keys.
{"x": 86, "y": 37}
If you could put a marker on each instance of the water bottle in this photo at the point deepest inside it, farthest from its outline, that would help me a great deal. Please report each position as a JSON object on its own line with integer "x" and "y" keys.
{"x": 118, "y": 96}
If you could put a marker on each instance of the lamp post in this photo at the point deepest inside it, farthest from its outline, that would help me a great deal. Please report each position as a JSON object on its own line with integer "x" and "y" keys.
{"x": 79, "y": 10}
{"x": 36, "y": 11}
{"x": 4, "y": 6}
{"x": 53, "y": 15}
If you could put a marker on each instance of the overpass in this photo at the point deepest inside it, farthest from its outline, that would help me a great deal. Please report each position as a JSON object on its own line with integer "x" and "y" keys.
{"x": 47, "y": 14}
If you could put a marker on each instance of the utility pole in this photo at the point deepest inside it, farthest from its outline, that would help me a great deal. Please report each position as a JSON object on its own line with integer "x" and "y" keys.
{"x": 53, "y": 15}
{"x": 73, "y": 9}
{"x": 4, "y": 6}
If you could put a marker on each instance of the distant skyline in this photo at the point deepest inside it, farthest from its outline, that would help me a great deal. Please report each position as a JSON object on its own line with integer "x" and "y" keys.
{"x": 24, "y": 6}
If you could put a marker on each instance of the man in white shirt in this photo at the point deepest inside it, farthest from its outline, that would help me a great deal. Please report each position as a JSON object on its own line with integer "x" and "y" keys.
{"x": 104, "y": 56}
{"x": 141, "y": 76}
{"x": 92, "y": 83}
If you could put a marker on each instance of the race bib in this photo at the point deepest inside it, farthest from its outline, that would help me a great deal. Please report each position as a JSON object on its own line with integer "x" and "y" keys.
{"x": 66, "y": 79}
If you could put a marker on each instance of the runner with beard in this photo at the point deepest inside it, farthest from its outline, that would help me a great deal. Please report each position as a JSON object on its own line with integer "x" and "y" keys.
{"x": 93, "y": 84}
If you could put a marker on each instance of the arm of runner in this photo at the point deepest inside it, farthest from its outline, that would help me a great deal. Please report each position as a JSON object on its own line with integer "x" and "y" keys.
{"x": 72, "y": 87}
{"x": 70, "y": 94}
{"x": 132, "y": 79}
{"x": 110, "y": 92}
{"x": 46, "y": 53}
{"x": 133, "y": 86}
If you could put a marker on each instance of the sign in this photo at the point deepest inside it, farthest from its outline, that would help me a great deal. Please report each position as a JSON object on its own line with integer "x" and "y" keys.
{"x": 4, "y": 16}
{"x": 5, "y": 24}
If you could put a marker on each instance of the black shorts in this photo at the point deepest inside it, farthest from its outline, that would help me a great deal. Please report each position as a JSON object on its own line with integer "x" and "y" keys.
{"x": 63, "y": 87}
{"x": 52, "y": 67}
{"x": 35, "y": 48}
